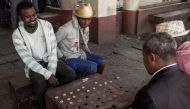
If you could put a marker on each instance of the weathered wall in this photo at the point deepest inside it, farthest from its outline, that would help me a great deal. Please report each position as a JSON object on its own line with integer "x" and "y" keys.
{"x": 103, "y": 27}
{"x": 67, "y": 4}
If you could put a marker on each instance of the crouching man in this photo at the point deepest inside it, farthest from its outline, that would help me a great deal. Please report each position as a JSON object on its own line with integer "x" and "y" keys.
{"x": 73, "y": 40}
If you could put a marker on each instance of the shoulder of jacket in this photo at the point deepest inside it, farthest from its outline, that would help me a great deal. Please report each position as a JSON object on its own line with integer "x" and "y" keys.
{"x": 44, "y": 22}
{"x": 15, "y": 32}
{"x": 67, "y": 26}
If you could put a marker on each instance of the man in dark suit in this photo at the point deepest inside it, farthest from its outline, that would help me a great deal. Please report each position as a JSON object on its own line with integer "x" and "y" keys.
{"x": 169, "y": 87}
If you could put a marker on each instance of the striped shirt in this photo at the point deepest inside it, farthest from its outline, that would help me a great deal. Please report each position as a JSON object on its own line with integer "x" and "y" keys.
{"x": 23, "y": 48}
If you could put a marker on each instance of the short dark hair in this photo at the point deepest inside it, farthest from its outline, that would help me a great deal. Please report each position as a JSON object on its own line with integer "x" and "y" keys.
{"x": 161, "y": 44}
{"x": 23, "y": 5}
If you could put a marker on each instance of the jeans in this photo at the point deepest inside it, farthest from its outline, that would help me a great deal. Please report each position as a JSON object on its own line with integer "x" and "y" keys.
{"x": 64, "y": 74}
{"x": 87, "y": 66}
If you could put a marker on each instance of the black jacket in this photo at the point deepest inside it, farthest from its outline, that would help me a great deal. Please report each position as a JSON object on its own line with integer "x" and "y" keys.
{"x": 168, "y": 89}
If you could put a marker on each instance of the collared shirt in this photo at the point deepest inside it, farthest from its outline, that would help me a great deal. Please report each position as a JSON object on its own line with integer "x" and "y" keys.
{"x": 163, "y": 68}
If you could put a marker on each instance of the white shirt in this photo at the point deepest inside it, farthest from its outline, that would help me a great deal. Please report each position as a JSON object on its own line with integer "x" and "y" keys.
{"x": 38, "y": 44}
{"x": 163, "y": 68}
{"x": 68, "y": 39}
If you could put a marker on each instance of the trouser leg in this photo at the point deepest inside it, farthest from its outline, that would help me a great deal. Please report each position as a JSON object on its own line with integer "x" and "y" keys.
{"x": 40, "y": 87}
{"x": 98, "y": 60}
{"x": 65, "y": 73}
{"x": 84, "y": 67}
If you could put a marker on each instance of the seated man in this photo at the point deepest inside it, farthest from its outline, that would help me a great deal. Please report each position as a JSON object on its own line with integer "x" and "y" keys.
{"x": 73, "y": 40}
{"x": 177, "y": 30}
{"x": 35, "y": 42}
{"x": 169, "y": 87}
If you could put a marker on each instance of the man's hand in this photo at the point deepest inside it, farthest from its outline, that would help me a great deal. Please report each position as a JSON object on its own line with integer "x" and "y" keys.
{"x": 53, "y": 81}
{"x": 63, "y": 58}
{"x": 83, "y": 55}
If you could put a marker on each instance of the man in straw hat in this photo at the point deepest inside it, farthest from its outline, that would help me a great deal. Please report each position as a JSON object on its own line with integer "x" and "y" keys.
{"x": 177, "y": 30}
{"x": 169, "y": 87}
{"x": 73, "y": 38}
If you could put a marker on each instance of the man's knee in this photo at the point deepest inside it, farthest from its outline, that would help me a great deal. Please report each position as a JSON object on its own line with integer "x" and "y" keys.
{"x": 65, "y": 72}
{"x": 38, "y": 81}
{"x": 63, "y": 67}
{"x": 92, "y": 67}
{"x": 40, "y": 86}
{"x": 72, "y": 75}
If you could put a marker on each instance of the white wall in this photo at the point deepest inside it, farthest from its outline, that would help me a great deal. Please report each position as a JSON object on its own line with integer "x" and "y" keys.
{"x": 103, "y": 7}
{"x": 134, "y": 4}
{"x": 119, "y": 3}
{"x": 131, "y": 5}
{"x": 67, "y": 4}
{"x": 149, "y": 2}
{"x": 108, "y": 7}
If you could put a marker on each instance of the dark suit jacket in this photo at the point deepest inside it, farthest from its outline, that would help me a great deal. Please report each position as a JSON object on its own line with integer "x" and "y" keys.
{"x": 168, "y": 89}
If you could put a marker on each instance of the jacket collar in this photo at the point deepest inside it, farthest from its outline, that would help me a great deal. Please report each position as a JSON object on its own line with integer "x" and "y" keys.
{"x": 168, "y": 70}
{"x": 75, "y": 22}
{"x": 21, "y": 23}
{"x": 162, "y": 69}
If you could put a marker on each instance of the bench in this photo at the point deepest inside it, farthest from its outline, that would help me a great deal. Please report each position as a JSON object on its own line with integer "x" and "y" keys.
{"x": 22, "y": 92}
{"x": 182, "y": 14}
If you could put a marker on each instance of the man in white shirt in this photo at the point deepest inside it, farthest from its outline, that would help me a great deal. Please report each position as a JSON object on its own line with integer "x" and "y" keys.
{"x": 35, "y": 42}
{"x": 73, "y": 38}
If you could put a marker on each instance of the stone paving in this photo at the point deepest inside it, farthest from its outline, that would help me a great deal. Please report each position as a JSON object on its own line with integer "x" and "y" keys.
{"x": 123, "y": 57}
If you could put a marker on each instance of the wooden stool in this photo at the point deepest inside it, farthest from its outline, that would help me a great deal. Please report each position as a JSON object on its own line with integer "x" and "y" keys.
{"x": 22, "y": 91}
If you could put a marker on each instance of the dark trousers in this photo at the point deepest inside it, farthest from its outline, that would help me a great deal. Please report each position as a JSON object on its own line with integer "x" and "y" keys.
{"x": 64, "y": 74}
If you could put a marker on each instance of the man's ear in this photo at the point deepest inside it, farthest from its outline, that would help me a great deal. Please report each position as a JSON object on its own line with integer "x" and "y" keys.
{"x": 152, "y": 57}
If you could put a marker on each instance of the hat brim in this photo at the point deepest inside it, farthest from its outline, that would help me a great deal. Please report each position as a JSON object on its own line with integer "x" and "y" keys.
{"x": 181, "y": 34}
{"x": 78, "y": 15}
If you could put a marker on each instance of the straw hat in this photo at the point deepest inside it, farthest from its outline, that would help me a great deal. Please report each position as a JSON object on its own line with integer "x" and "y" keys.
{"x": 84, "y": 10}
{"x": 174, "y": 28}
